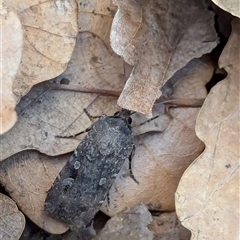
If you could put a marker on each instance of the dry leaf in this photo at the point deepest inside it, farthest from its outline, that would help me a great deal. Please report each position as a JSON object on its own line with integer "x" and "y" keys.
{"x": 16, "y": 168}
{"x": 93, "y": 66}
{"x": 231, "y": 6}
{"x": 167, "y": 226}
{"x": 128, "y": 225}
{"x": 96, "y": 16}
{"x": 210, "y": 208}
{"x": 11, "y": 52}
{"x": 49, "y": 30}
{"x": 12, "y": 221}
{"x": 45, "y": 113}
{"x": 158, "y": 38}
{"x": 27, "y": 176}
{"x": 161, "y": 158}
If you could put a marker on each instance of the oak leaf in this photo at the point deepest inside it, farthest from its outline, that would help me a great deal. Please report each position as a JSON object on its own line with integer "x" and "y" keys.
{"x": 96, "y": 17}
{"x": 12, "y": 221}
{"x": 11, "y": 52}
{"x": 27, "y": 176}
{"x": 207, "y": 197}
{"x": 47, "y": 27}
{"x": 158, "y": 38}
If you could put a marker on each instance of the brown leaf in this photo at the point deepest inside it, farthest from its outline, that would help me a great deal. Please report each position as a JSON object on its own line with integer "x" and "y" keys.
{"x": 128, "y": 225}
{"x": 96, "y": 17}
{"x": 167, "y": 226}
{"x": 27, "y": 176}
{"x": 11, "y": 52}
{"x": 210, "y": 208}
{"x": 158, "y": 38}
{"x": 12, "y": 221}
{"x": 49, "y": 30}
{"x": 45, "y": 113}
{"x": 161, "y": 158}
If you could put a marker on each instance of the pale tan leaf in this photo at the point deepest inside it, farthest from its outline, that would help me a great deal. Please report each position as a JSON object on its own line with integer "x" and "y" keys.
{"x": 167, "y": 226}
{"x": 207, "y": 197}
{"x": 158, "y": 38}
{"x": 96, "y": 17}
{"x": 45, "y": 113}
{"x": 161, "y": 158}
{"x": 128, "y": 225}
{"x": 27, "y": 176}
{"x": 12, "y": 221}
{"x": 11, "y": 52}
{"x": 49, "y": 29}
{"x": 231, "y": 6}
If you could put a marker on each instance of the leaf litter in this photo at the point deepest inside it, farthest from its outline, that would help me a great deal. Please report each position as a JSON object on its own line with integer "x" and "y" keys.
{"x": 121, "y": 226}
{"x": 145, "y": 169}
{"x": 167, "y": 226}
{"x": 45, "y": 113}
{"x": 161, "y": 157}
{"x": 45, "y": 53}
{"x": 161, "y": 125}
{"x": 165, "y": 35}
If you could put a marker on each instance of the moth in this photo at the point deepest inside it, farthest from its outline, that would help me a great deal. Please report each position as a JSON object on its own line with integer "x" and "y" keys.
{"x": 83, "y": 184}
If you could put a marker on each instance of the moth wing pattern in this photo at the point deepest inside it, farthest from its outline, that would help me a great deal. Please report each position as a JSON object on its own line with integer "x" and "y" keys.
{"x": 84, "y": 182}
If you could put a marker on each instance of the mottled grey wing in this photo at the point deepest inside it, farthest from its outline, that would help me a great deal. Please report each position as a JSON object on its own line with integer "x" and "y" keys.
{"x": 85, "y": 180}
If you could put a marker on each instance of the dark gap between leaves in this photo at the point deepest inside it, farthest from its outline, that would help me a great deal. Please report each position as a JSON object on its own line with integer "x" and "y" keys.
{"x": 214, "y": 80}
